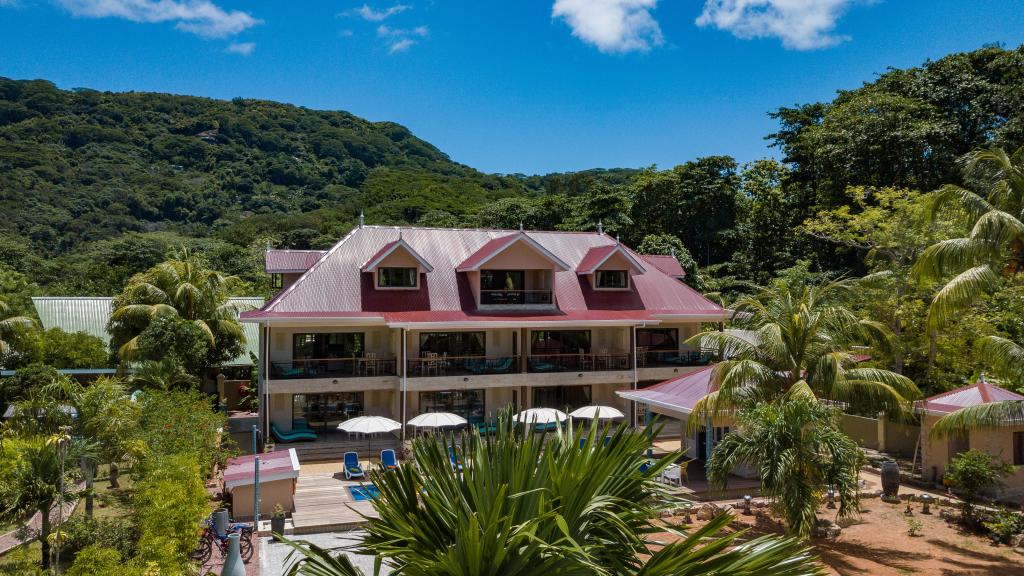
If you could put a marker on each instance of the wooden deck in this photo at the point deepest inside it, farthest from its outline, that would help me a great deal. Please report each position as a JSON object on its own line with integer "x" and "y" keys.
{"x": 323, "y": 502}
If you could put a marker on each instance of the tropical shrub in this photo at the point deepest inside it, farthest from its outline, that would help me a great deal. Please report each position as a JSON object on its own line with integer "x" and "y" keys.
{"x": 973, "y": 473}
{"x": 169, "y": 503}
{"x": 182, "y": 422}
{"x": 117, "y": 534}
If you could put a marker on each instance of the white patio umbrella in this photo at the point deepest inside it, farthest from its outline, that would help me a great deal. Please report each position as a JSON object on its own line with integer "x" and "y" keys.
{"x": 597, "y": 413}
{"x": 540, "y": 416}
{"x": 437, "y": 420}
{"x": 369, "y": 425}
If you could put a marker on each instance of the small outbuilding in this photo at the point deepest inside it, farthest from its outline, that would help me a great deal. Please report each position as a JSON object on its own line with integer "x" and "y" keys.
{"x": 279, "y": 472}
{"x": 1005, "y": 442}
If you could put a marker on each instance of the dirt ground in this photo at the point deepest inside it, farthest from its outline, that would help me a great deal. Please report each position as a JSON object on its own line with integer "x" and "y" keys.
{"x": 878, "y": 544}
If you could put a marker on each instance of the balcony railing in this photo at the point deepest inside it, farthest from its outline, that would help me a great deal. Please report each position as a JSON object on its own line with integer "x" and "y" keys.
{"x": 442, "y": 365}
{"x": 515, "y": 297}
{"x": 333, "y": 368}
{"x": 669, "y": 358}
{"x": 578, "y": 362}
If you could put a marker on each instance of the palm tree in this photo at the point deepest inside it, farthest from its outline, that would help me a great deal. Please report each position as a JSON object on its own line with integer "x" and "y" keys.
{"x": 108, "y": 417}
{"x": 799, "y": 340}
{"x": 181, "y": 287}
{"x": 164, "y": 374}
{"x": 1006, "y": 358}
{"x": 10, "y": 323}
{"x": 993, "y": 249}
{"x": 529, "y": 504}
{"x": 797, "y": 448}
{"x": 37, "y": 480}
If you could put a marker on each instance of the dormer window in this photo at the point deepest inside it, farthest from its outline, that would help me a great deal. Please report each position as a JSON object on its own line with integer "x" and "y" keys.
{"x": 396, "y": 266}
{"x": 397, "y": 277}
{"x": 609, "y": 267}
{"x": 612, "y": 279}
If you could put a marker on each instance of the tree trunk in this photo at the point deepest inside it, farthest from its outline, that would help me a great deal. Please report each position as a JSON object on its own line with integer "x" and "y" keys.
{"x": 89, "y": 472}
{"x": 44, "y": 537}
{"x": 114, "y": 473}
{"x": 897, "y": 329}
{"x": 931, "y": 356}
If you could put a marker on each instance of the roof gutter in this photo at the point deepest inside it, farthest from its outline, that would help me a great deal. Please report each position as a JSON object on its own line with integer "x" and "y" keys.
{"x": 519, "y": 324}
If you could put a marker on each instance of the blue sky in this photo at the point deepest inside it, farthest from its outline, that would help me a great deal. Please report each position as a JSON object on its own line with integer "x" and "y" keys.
{"x": 529, "y": 86}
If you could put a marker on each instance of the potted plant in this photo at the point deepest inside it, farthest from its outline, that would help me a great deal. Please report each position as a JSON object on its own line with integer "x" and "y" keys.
{"x": 277, "y": 520}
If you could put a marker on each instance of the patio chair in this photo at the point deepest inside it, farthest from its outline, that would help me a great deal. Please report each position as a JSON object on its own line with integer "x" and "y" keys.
{"x": 583, "y": 443}
{"x": 454, "y": 459}
{"x": 352, "y": 467}
{"x": 293, "y": 436}
{"x": 672, "y": 476}
{"x": 388, "y": 460}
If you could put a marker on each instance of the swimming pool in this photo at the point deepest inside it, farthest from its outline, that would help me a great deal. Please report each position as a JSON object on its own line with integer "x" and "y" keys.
{"x": 364, "y": 492}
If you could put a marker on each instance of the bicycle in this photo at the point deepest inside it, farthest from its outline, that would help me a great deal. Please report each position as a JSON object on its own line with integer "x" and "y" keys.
{"x": 209, "y": 539}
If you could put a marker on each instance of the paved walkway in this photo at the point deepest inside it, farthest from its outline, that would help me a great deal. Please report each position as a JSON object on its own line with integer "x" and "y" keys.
{"x": 10, "y": 541}
{"x": 273, "y": 561}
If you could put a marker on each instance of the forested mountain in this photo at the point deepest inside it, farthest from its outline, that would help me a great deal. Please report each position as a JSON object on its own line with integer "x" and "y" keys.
{"x": 95, "y": 186}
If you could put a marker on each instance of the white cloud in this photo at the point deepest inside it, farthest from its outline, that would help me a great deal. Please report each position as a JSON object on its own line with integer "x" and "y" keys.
{"x": 800, "y": 24}
{"x": 367, "y": 13}
{"x": 388, "y": 32}
{"x": 243, "y": 48}
{"x": 401, "y": 39}
{"x": 200, "y": 17}
{"x": 611, "y": 25}
{"x": 401, "y": 45}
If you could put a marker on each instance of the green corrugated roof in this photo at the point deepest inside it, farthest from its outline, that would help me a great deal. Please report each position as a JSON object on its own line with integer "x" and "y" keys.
{"x": 75, "y": 314}
{"x": 90, "y": 314}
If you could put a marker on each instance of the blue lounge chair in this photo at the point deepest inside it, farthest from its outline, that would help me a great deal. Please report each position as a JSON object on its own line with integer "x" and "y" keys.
{"x": 583, "y": 443}
{"x": 293, "y": 436}
{"x": 388, "y": 460}
{"x": 352, "y": 467}
{"x": 454, "y": 459}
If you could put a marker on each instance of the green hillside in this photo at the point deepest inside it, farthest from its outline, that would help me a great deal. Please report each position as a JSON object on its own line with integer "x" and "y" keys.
{"x": 95, "y": 186}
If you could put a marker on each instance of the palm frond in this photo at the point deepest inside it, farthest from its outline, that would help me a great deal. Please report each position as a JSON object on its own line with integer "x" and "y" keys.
{"x": 992, "y": 415}
{"x": 959, "y": 292}
{"x": 1003, "y": 355}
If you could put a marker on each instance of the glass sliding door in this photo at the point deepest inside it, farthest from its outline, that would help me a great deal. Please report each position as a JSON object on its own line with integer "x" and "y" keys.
{"x": 323, "y": 354}
{"x": 466, "y": 403}
{"x": 561, "y": 397}
{"x": 323, "y": 412}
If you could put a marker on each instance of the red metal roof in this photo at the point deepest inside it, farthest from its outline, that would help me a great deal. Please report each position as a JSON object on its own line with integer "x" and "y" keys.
{"x": 680, "y": 394}
{"x": 597, "y": 256}
{"x": 335, "y": 287}
{"x": 291, "y": 261}
{"x": 492, "y": 247}
{"x": 976, "y": 394}
{"x": 667, "y": 264}
{"x": 390, "y": 247}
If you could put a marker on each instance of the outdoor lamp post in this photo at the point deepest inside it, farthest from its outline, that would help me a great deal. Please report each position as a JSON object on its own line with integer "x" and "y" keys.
{"x": 746, "y": 504}
{"x": 831, "y": 497}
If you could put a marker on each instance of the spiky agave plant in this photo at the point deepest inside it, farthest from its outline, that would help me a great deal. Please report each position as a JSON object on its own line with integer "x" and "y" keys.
{"x": 527, "y": 503}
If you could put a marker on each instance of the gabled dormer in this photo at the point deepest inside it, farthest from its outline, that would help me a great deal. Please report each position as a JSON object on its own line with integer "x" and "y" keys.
{"x": 609, "y": 267}
{"x": 397, "y": 266}
{"x": 513, "y": 271}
